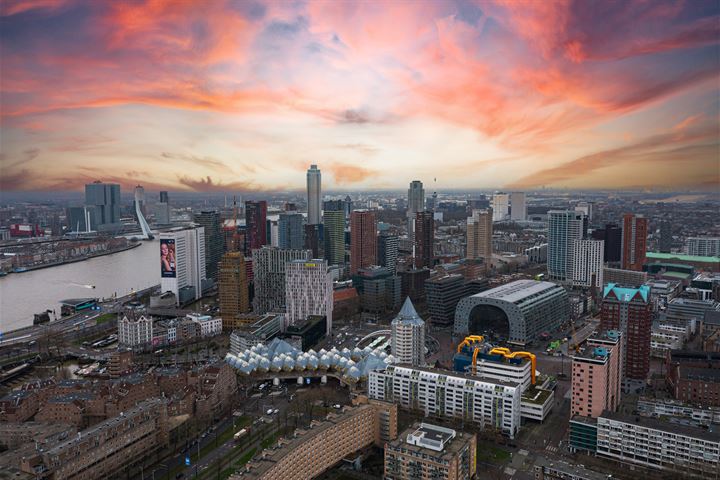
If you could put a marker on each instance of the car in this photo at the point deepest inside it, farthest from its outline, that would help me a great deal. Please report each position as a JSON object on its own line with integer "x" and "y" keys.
{"x": 276, "y": 411}
{"x": 269, "y": 412}
{"x": 337, "y": 406}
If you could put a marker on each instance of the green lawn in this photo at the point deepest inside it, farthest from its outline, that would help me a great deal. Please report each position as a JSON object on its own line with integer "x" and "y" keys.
{"x": 489, "y": 453}
{"x": 105, "y": 317}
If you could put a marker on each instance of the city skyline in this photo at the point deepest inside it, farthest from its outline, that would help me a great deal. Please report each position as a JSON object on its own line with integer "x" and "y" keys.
{"x": 240, "y": 96}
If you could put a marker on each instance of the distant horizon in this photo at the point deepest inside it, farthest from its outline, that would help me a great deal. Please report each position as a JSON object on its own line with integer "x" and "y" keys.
{"x": 228, "y": 96}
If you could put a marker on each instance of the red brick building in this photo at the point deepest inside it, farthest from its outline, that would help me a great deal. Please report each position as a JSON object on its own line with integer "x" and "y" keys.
{"x": 424, "y": 239}
{"x": 629, "y": 310}
{"x": 634, "y": 242}
{"x": 363, "y": 240}
{"x": 694, "y": 377}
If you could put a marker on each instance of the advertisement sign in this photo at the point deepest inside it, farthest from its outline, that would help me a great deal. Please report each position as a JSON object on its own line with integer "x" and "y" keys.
{"x": 167, "y": 258}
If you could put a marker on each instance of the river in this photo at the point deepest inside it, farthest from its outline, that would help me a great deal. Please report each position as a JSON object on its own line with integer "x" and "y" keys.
{"x": 24, "y": 294}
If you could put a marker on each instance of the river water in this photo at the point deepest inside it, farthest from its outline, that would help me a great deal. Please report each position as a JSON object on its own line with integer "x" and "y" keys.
{"x": 24, "y": 294}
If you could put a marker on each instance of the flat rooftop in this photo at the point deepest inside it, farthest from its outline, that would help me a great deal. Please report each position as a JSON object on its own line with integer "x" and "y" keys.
{"x": 574, "y": 471}
{"x": 452, "y": 373}
{"x": 452, "y": 443}
{"x": 430, "y": 436}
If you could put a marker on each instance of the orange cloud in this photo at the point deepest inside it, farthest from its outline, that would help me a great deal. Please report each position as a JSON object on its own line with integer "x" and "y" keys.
{"x": 345, "y": 174}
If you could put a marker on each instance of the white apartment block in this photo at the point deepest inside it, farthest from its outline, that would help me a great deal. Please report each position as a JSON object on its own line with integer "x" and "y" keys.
{"x": 703, "y": 246}
{"x": 651, "y": 407}
{"x": 189, "y": 261}
{"x": 209, "y": 326}
{"x": 659, "y": 445}
{"x": 135, "y": 332}
{"x": 489, "y": 403}
{"x": 500, "y": 206}
{"x": 308, "y": 291}
{"x": 588, "y": 259}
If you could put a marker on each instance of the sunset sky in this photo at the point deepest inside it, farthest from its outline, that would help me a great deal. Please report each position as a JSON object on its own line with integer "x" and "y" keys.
{"x": 221, "y": 95}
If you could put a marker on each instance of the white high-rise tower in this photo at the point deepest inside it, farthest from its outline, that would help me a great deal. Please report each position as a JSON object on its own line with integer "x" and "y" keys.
{"x": 314, "y": 194}
{"x": 408, "y": 336}
{"x": 308, "y": 291}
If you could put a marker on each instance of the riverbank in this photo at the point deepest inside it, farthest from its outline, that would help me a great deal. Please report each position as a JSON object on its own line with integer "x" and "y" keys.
{"x": 77, "y": 259}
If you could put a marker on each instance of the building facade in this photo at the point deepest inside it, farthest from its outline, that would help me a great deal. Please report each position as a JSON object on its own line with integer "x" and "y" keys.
{"x": 182, "y": 263}
{"x": 269, "y": 265}
{"x": 388, "y": 251}
{"x": 105, "y": 197}
{"x": 233, "y": 287}
{"x": 563, "y": 228}
{"x": 518, "y": 209}
{"x": 416, "y": 203}
{"x": 408, "y": 336}
{"x": 308, "y": 291}
{"x": 492, "y": 404}
{"x": 424, "y": 239}
{"x": 314, "y": 194}
{"x": 629, "y": 311}
{"x": 425, "y": 452}
{"x": 703, "y": 246}
{"x": 501, "y": 207}
{"x": 291, "y": 231}
{"x": 363, "y": 240}
{"x": 612, "y": 236}
{"x": 596, "y": 380}
{"x": 135, "y": 331}
{"x": 214, "y": 242}
{"x": 588, "y": 263}
{"x": 634, "y": 242}
{"x": 479, "y": 235}
{"x": 255, "y": 225}
{"x": 334, "y": 232}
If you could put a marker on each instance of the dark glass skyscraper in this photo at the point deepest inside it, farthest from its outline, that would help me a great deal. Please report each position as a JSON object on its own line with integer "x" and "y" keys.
{"x": 214, "y": 243}
{"x": 424, "y": 239}
{"x": 105, "y": 197}
{"x": 612, "y": 235}
{"x": 255, "y": 225}
{"x": 290, "y": 231}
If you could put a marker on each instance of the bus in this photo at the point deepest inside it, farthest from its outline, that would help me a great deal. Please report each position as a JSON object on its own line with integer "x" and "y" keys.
{"x": 240, "y": 434}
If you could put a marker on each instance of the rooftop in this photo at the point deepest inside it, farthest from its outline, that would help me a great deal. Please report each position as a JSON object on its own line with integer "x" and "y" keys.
{"x": 517, "y": 291}
{"x": 679, "y": 256}
{"x": 423, "y": 437}
{"x": 573, "y": 471}
{"x": 451, "y": 373}
{"x": 408, "y": 314}
{"x": 626, "y": 294}
{"x": 430, "y": 436}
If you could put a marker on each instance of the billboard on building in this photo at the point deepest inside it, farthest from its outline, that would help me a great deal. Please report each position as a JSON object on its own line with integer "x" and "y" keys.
{"x": 167, "y": 258}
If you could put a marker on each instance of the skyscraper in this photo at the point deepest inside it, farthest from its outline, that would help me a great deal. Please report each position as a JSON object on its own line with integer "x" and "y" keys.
{"x": 255, "y": 225}
{"x": 162, "y": 210}
{"x": 314, "y": 194}
{"x": 290, "y": 231}
{"x": 588, "y": 263}
{"x": 313, "y": 237}
{"x": 634, "y": 241}
{"x": 408, "y": 336}
{"x": 563, "y": 227}
{"x": 233, "y": 288}
{"x": 388, "y": 251}
{"x": 363, "y": 240}
{"x": 518, "y": 209}
{"x": 424, "y": 239}
{"x": 182, "y": 263}
{"x": 666, "y": 240}
{"x": 269, "y": 277}
{"x": 500, "y": 206}
{"x": 308, "y": 291}
{"x": 105, "y": 197}
{"x": 334, "y": 232}
{"x": 416, "y": 203}
{"x": 214, "y": 242}
{"x": 479, "y": 235}
{"x": 612, "y": 236}
{"x": 629, "y": 310}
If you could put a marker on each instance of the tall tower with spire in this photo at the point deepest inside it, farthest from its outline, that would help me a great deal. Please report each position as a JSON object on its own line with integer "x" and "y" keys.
{"x": 408, "y": 336}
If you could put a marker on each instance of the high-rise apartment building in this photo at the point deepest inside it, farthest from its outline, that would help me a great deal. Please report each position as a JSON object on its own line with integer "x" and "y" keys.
{"x": 666, "y": 239}
{"x": 612, "y": 236}
{"x": 586, "y": 208}
{"x": 182, "y": 263}
{"x": 233, "y": 287}
{"x": 629, "y": 310}
{"x": 703, "y": 246}
{"x": 214, "y": 242}
{"x": 424, "y": 239}
{"x": 162, "y": 210}
{"x": 425, "y": 452}
{"x": 269, "y": 265}
{"x": 588, "y": 263}
{"x": 105, "y": 197}
{"x": 363, "y": 240}
{"x": 634, "y": 242}
{"x": 518, "y": 208}
{"x": 501, "y": 206}
{"x": 314, "y": 194}
{"x": 563, "y": 228}
{"x": 308, "y": 291}
{"x": 255, "y": 225}
{"x": 416, "y": 203}
{"x": 479, "y": 235}
{"x": 388, "y": 251}
{"x": 408, "y": 336}
{"x": 334, "y": 231}
{"x": 597, "y": 375}
{"x": 290, "y": 231}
